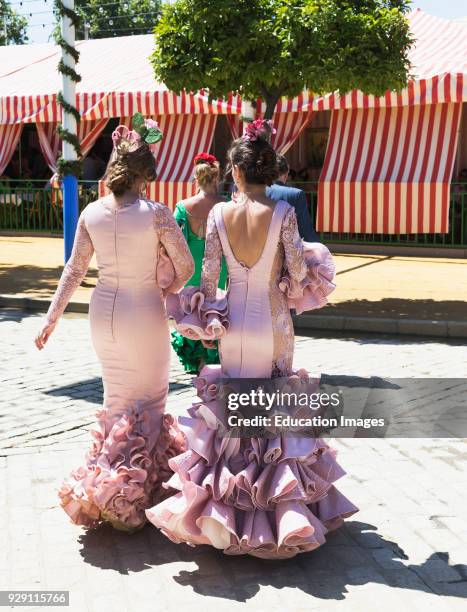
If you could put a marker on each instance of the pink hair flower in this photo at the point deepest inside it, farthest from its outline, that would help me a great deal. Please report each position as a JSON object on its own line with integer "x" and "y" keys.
{"x": 146, "y": 130}
{"x": 123, "y": 132}
{"x": 259, "y": 128}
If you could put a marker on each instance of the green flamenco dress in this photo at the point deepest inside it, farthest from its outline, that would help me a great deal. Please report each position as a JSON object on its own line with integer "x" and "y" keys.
{"x": 192, "y": 354}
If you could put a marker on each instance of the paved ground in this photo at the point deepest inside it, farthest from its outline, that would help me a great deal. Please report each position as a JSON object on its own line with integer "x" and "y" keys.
{"x": 406, "y": 549}
{"x": 398, "y": 287}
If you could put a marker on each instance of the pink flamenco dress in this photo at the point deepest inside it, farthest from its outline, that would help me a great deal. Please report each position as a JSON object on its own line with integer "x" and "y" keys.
{"x": 270, "y": 498}
{"x": 141, "y": 253}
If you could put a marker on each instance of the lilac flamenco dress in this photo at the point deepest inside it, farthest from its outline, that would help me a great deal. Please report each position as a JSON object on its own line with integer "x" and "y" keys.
{"x": 134, "y": 439}
{"x": 271, "y": 498}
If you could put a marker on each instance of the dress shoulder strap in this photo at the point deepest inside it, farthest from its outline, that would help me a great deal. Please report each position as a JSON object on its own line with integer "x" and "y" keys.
{"x": 221, "y": 230}
{"x": 182, "y": 219}
{"x": 275, "y": 228}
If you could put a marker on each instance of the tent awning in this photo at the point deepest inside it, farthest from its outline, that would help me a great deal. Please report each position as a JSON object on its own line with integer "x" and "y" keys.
{"x": 439, "y": 69}
{"x": 117, "y": 79}
{"x": 388, "y": 170}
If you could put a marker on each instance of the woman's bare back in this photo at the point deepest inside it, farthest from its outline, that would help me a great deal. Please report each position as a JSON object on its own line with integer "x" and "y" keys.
{"x": 247, "y": 225}
{"x": 198, "y": 208}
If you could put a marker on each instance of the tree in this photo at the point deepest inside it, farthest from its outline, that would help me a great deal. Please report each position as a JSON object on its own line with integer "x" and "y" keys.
{"x": 274, "y": 48}
{"x": 12, "y": 24}
{"x": 106, "y": 19}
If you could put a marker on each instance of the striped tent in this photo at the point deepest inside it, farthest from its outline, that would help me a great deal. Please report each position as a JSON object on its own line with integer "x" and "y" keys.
{"x": 388, "y": 162}
{"x": 388, "y": 170}
{"x": 117, "y": 81}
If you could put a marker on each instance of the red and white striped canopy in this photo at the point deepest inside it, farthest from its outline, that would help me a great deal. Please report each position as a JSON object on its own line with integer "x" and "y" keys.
{"x": 439, "y": 67}
{"x": 118, "y": 79}
{"x": 389, "y": 160}
{"x": 388, "y": 170}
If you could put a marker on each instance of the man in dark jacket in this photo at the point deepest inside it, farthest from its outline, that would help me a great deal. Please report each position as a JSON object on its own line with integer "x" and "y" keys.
{"x": 296, "y": 197}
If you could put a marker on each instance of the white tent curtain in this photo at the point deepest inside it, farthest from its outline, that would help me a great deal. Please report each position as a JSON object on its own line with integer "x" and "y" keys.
{"x": 49, "y": 140}
{"x": 9, "y": 138}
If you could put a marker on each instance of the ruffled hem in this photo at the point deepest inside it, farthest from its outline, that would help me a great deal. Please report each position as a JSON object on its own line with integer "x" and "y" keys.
{"x": 266, "y": 497}
{"x": 197, "y": 317}
{"x": 312, "y": 292}
{"x": 192, "y": 354}
{"x": 124, "y": 470}
{"x": 194, "y": 517}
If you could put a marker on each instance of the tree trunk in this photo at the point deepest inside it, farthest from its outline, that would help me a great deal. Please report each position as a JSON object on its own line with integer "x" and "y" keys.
{"x": 271, "y": 101}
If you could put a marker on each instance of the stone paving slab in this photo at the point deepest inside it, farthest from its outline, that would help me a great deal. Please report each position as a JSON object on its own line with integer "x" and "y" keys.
{"x": 406, "y": 549}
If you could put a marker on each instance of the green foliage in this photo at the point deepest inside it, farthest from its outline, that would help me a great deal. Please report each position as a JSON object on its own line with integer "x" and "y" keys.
{"x": 108, "y": 19}
{"x": 361, "y": 45}
{"x": 15, "y": 25}
{"x": 273, "y": 48}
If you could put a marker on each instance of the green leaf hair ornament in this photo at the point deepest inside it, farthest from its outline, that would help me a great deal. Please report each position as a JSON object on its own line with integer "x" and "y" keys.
{"x": 148, "y": 129}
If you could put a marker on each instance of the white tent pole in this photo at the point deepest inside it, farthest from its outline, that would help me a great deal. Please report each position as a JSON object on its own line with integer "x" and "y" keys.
{"x": 68, "y": 84}
{"x": 70, "y": 182}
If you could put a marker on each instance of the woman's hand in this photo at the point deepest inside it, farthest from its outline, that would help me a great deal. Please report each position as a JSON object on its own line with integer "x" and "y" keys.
{"x": 44, "y": 334}
{"x": 209, "y": 344}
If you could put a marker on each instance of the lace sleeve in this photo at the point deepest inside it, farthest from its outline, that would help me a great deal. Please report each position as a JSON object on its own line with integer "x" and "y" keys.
{"x": 175, "y": 244}
{"x": 73, "y": 272}
{"x": 212, "y": 261}
{"x": 293, "y": 247}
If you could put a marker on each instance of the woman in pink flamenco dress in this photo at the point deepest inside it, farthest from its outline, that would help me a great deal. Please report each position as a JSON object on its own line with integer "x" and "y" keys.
{"x": 270, "y": 498}
{"x": 140, "y": 250}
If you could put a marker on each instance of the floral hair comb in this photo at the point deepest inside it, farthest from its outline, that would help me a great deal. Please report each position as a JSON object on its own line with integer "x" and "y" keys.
{"x": 258, "y": 129}
{"x": 205, "y": 158}
{"x": 144, "y": 130}
{"x": 148, "y": 129}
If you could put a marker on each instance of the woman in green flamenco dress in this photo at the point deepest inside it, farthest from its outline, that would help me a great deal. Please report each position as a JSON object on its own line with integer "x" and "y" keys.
{"x": 191, "y": 215}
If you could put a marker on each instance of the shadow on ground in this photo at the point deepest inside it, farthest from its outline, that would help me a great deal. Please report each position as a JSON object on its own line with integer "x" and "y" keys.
{"x": 396, "y": 308}
{"x": 90, "y": 389}
{"x": 13, "y": 314}
{"x": 354, "y": 555}
{"x": 93, "y": 391}
{"x": 302, "y": 334}
{"x": 39, "y": 281}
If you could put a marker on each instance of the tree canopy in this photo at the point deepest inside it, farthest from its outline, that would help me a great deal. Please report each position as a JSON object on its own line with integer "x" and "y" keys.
{"x": 15, "y": 25}
{"x": 126, "y": 18}
{"x": 274, "y": 48}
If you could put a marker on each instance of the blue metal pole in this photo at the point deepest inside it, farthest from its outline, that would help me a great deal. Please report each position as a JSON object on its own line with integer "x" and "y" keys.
{"x": 70, "y": 212}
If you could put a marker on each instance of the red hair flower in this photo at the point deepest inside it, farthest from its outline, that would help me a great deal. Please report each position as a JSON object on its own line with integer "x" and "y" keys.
{"x": 205, "y": 158}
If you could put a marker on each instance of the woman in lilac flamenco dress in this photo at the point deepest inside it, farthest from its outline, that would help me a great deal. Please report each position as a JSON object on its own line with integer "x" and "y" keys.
{"x": 141, "y": 255}
{"x": 271, "y": 498}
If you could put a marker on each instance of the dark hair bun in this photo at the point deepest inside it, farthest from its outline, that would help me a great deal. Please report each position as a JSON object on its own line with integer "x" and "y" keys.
{"x": 256, "y": 159}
